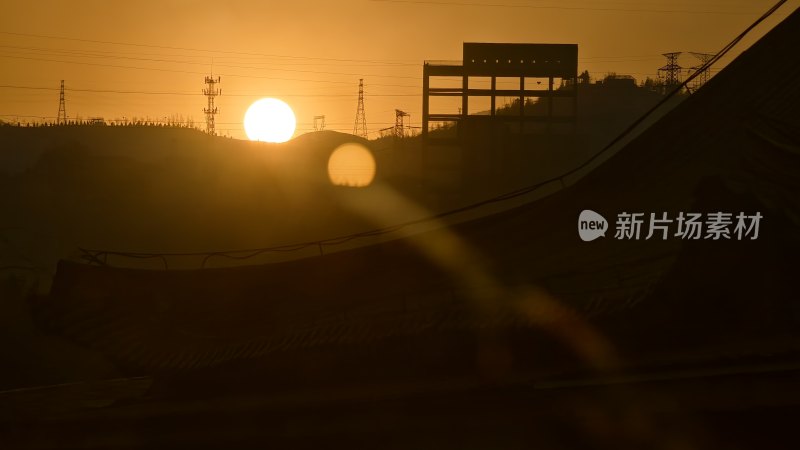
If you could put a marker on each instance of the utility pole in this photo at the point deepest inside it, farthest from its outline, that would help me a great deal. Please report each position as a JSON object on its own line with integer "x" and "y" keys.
{"x": 62, "y": 107}
{"x": 360, "y": 128}
{"x": 211, "y": 92}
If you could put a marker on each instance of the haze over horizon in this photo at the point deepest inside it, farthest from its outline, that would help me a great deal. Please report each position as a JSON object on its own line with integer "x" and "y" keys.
{"x": 148, "y": 59}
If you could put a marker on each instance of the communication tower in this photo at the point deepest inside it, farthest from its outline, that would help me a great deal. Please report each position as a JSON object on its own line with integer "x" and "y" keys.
{"x": 211, "y": 91}
{"x": 62, "y": 106}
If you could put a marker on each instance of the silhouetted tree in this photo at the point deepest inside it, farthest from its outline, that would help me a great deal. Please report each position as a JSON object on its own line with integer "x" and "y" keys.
{"x": 652, "y": 84}
{"x": 584, "y": 77}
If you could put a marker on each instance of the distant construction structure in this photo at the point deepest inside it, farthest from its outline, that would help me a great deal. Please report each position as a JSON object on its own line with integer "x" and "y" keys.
{"x": 538, "y": 63}
{"x": 486, "y": 142}
{"x": 211, "y": 91}
{"x": 360, "y": 127}
{"x": 319, "y": 123}
{"x": 671, "y": 73}
{"x": 62, "y": 107}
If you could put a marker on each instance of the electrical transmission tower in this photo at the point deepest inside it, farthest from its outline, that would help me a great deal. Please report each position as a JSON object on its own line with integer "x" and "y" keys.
{"x": 671, "y": 73}
{"x": 360, "y": 128}
{"x": 62, "y": 106}
{"x": 211, "y": 91}
{"x": 399, "y": 126}
{"x": 319, "y": 123}
{"x": 705, "y": 72}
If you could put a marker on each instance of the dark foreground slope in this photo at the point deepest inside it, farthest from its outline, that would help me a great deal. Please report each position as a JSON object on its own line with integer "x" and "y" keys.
{"x": 505, "y": 332}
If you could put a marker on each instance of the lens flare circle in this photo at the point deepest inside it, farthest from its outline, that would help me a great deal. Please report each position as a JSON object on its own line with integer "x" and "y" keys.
{"x": 351, "y": 165}
{"x": 269, "y": 120}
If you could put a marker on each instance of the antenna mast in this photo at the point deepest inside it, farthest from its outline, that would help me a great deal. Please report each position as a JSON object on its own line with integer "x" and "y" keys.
{"x": 211, "y": 91}
{"x": 62, "y": 107}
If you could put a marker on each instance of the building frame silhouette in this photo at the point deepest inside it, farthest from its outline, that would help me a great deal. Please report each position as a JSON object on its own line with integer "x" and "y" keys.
{"x": 496, "y": 60}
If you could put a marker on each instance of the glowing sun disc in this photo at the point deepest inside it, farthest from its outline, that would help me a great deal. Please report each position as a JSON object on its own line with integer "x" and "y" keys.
{"x": 269, "y": 120}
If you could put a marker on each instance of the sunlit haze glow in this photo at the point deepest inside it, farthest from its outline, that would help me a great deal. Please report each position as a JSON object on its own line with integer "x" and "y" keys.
{"x": 269, "y": 120}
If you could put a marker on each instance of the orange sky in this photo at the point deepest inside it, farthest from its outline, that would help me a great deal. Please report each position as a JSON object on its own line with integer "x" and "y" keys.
{"x": 312, "y": 53}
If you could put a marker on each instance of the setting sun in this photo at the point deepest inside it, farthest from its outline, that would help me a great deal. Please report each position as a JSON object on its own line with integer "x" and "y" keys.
{"x": 269, "y": 120}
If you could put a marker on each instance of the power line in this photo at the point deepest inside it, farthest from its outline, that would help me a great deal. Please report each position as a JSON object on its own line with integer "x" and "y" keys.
{"x": 97, "y": 255}
{"x": 84, "y": 63}
{"x": 96, "y": 54}
{"x": 236, "y": 75}
{"x": 201, "y": 73}
{"x": 194, "y": 94}
{"x": 87, "y": 55}
{"x": 321, "y": 72}
{"x": 116, "y": 55}
{"x": 268, "y": 77}
{"x": 561, "y": 8}
{"x": 95, "y": 41}
{"x": 249, "y": 59}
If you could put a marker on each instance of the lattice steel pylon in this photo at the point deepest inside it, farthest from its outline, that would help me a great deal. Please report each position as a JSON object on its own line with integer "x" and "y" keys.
{"x": 705, "y": 72}
{"x": 211, "y": 92}
{"x": 62, "y": 106}
{"x": 360, "y": 128}
{"x": 671, "y": 73}
{"x": 319, "y": 123}
{"x": 399, "y": 125}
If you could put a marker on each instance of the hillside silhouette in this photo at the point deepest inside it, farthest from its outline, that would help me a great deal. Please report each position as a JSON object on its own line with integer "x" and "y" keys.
{"x": 167, "y": 189}
{"x": 502, "y": 330}
{"x": 161, "y": 189}
{"x": 508, "y": 323}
